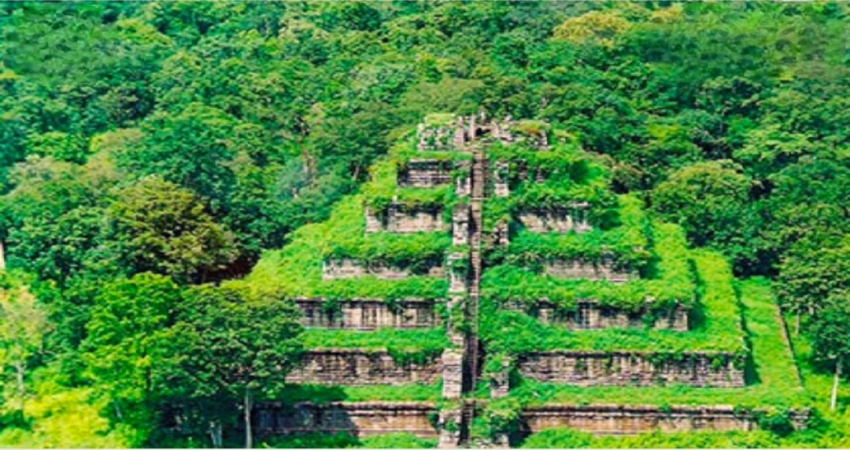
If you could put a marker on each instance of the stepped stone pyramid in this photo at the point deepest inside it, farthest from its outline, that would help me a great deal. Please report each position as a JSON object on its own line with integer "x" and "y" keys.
{"x": 488, "y": 259}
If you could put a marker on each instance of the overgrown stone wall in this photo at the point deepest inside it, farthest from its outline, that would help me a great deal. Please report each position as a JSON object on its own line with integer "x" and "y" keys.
{"x": 425, "y": 173}
{"x": 355, "y": 367}
{"x": 358, "y": 419}
{"x": 334, "y": 269}
{"x": 625, "y": 420}
{"x": 590, "y": 270}
{"x": 631, "y": 369}
{"x": 561, "y": 220}
{"x": 400, "y": 219}
{"x": 364, "y": 314}
{"x": 589, "y": 315}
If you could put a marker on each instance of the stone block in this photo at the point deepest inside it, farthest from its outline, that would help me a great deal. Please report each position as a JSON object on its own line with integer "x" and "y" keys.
{"x": 590, "y": 315}
{"x": 696, "y": 369}
{"x": 452, "y": 373}
{"x": 589, "y": 270}
{"x": 365, "y": 314}
{"x": 637, "y": 419}
{"x": 561, "y": 220}
{"x": 450, "y": 423}
{"x": 355, "y": 367}
{"x": 460, "y": 224}
{"x": 425, "y": 173}
{"x": 357, "y": 419}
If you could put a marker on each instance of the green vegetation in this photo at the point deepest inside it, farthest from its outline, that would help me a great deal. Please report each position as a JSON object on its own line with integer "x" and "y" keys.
{"x": 343, "y": 440}
{"x": 323, "y": 394}
{"x": 404, "y": 345}
{"x": 556, "y": 438}
{"x": 670, "y": 283}
{"x": 149, "y": 148}
{"x": 627, "y": 244}
{"x": 776, "y": 387}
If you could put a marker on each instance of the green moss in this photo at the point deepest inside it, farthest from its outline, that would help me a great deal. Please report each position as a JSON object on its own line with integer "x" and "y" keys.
{"x": 775, "y": 386}
{"x": 295, "y": 393}
{"x": 429, "y": 342}
{"x": 519, "y": 278}
{"x": 716, "y": 328}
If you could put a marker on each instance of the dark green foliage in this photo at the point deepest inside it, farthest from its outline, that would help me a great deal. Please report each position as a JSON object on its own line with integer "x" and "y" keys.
{"x": 187, "y": 138}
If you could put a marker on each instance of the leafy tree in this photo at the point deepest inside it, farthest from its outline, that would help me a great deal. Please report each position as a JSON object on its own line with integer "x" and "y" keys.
{"x": 233, "y": 347}
{"x": 831, "y": 338}
{"x": 709, "y": 199}
{"x": 126, "y": 347}
{"x": 23, "y": 324}
{"x": 165, "y": 229}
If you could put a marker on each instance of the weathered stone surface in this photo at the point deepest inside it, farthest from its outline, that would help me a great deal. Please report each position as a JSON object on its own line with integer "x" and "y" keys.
{"x": 460, "y": 224}
{"x": 630, "y": 369}
{"x": 457, "y": 277}
{"x": 500, "y": 381}
{"x": 465, "y": 130}
{"x": 438, "y": 138}
{"x": 450, "y": 423}
{"x": 365, "y": 314}
{"x": 577, "y": 268}
{"x": 463, "y": 186}
{"x": 358, "y": 419}
{"x": 452, "y": 373}
{"x": 453, "y": 329}
{"x": 400, "y": 219}
{"x": 562, "y": 220}
{"x": 350, "y": 268}
{"x": 589, "y": 315}
{"x": 425, "y": 173}
{"x": 500, "y": 179}
{"x": 626, "y": 420}
{"x": 374, "y": 224}
{"x": 354, "y": 367}
{"x": 372, "y": 418}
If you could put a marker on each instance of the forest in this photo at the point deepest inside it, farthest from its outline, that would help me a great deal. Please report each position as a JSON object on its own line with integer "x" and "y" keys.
{"x": 152, "y": 152}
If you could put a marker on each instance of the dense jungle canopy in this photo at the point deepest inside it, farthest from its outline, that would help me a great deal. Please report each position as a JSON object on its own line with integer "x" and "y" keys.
{"x": 152, "y": 151}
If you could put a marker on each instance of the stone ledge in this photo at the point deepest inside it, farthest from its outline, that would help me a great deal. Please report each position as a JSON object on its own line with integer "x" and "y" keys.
{"x": 398, "y": 218}
{"x": 356, "y": 418}
{"x": 425, "y": 173}
{"x": 581, "y": 269}
{"x": 572, "y": 217}
{"x": 369, "y": 314}
{"x": 358, "y": 367}
{"x": 338, "y": 269}
{"x": 627, "y": 420}
{"x": 590, "y": 315}
{"x": 622, "y": 368}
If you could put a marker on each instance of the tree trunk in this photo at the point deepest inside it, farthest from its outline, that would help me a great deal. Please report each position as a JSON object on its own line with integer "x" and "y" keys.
{"x": 215, "y": 434}
{"x": 20, "y": 370}
{"x": 834, "y": 399}
{"x": 797, "y": 325}
{"x": 2, "y": 256}
{"x": 248, "y": 431}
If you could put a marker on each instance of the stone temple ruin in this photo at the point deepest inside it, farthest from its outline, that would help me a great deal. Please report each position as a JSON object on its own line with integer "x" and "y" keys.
{"x": 479, "y": 179}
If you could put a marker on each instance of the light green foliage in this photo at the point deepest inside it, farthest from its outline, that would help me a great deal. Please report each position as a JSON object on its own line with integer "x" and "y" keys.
{"x": 128, "y": 349}
{"x": 670, "y": 280}
{"x": 716, "y": 316}
{"x": 775, "y": 388}
{"x": 418, "y": 345}
{"x": 23, "y": 325}
{"x": 293, "y": 393}
{"x": 269, "y": 113}
{"x": 67, "y": 418}
{"x": 627, "y": 243}
{"x": 342, "y": 440}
